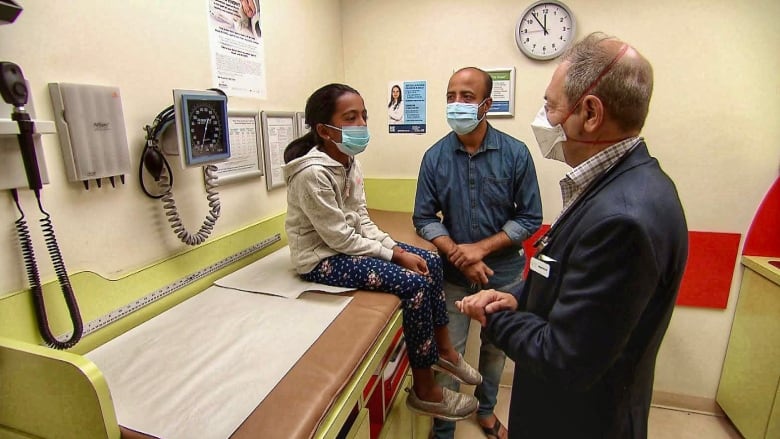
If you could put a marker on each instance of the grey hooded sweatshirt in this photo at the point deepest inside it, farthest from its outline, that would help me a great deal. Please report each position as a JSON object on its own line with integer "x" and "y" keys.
{"x": 327, "y": 214}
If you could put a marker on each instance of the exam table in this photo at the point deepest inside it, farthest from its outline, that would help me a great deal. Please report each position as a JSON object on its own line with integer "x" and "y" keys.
{"x": 336, "y": 389}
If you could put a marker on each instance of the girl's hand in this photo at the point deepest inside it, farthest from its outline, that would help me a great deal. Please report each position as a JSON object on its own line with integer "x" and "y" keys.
{"x": 410, "y": 261}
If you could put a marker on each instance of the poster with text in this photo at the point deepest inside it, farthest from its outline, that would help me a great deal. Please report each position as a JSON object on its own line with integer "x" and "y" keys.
{"x": 406, "y": 107}
{"x": 503, "y": 93}
{"x": 237, "y": 47}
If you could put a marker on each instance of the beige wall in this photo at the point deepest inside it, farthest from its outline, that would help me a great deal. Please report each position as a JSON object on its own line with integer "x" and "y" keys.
{"x": 147, "y": 48}
{"x": 713, "y": 120}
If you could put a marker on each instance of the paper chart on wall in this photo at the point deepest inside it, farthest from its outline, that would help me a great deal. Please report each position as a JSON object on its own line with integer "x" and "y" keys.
{"x": 279, "y": 129}
{"x": 245, "y": 152}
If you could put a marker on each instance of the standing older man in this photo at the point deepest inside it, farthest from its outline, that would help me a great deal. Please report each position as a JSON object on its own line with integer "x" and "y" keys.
{"x": 483, "y": 184}
{"x": 585, "y": 330}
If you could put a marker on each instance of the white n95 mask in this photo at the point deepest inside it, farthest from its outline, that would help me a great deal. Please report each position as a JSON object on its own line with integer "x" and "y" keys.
{"x": 550, "y": 138}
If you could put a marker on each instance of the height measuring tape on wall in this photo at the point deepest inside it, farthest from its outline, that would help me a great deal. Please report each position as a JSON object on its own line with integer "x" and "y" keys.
{"x": 158, "y": 294}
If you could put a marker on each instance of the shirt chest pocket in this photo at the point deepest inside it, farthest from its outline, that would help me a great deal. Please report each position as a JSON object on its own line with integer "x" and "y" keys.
{"x": 497, "y": 191}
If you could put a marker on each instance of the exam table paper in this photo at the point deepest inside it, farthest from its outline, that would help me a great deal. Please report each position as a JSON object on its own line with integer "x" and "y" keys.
{"x": 274, "y": 274}
{"x": 199, "y": 369}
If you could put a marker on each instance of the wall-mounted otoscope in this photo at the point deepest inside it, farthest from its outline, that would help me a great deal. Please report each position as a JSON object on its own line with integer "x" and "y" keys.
{"x": 13, "y": 89}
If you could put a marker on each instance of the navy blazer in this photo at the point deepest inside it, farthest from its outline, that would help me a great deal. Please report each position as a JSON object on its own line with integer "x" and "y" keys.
{"x": 586, "y": 336}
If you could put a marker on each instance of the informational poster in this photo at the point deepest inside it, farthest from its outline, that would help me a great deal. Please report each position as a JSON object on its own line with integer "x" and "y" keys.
{"x": 406, "y": 107}
{"x": 503, "y": 91}
{"x": 237, "y": 47}
{"x": 245, "y": 151}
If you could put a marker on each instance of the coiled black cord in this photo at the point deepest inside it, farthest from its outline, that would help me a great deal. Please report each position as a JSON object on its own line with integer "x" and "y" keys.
{"x": 152, "y": 159}
{"x": 34, "y": 279}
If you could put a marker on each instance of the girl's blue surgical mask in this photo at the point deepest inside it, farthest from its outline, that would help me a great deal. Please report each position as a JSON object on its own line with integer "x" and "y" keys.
{"x": 354, "y": 139}
{"x": 462, "y": 117}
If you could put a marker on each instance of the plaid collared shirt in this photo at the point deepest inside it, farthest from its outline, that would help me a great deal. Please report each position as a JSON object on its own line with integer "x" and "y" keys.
{"x": 576, "y": 180}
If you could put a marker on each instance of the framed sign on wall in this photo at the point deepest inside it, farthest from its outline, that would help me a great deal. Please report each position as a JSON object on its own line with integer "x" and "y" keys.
{"x": 302, "y": 127}
{"x": 503, "y": 93}
{"x": 246, "y": 153}
{"x": 279, "y": 129}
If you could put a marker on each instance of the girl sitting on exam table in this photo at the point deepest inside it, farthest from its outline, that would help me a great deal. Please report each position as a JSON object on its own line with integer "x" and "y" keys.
{"x": 333, "y": 241}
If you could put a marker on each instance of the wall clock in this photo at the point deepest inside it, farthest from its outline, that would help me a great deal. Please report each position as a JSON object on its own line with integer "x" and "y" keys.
{"x": 545, "y": 30}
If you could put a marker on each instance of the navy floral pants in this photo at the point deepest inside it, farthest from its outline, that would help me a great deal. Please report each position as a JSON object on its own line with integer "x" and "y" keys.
{"x": 422, "y": 297}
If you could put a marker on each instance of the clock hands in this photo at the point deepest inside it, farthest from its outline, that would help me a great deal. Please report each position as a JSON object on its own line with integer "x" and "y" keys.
{"x": 545, "y": 37}
{"x": 544, "y": 26}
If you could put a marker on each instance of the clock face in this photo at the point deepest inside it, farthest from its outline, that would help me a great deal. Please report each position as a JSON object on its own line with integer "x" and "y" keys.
{"x": 204, "y": 137}
{"x": 206, "y": 128}
{"x": 545, "y": 30}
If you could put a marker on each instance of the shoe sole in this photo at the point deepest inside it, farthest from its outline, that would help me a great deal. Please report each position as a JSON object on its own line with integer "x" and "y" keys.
{"x": 438, "y": 368}
{"x": 439, "y": 415}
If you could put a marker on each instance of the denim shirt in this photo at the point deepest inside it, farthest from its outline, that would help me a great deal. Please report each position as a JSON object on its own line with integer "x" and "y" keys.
{"x": 478, "y": 196}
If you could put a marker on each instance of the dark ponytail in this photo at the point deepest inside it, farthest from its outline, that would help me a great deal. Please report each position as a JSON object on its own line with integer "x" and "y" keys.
{"x": 319, "y": 109}
{"x": 300, "y": 146}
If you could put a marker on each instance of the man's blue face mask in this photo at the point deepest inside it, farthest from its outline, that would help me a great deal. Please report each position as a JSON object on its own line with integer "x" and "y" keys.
{"x": 462, "y": 117}
{"x": 354, "y": 139}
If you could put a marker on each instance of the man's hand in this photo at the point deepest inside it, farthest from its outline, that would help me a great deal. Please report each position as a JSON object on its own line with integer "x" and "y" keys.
{"x": 466, "y": 254}
{"x": 410, "y": 261}
{"x": 477, "y": 273}
{"x": 479, "y": 305}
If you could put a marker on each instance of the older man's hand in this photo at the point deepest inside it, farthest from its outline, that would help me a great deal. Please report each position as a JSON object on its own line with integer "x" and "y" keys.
{"x": 479, "y": 305}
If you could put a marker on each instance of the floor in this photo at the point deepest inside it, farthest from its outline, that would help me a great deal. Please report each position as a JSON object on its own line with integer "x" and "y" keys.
{"x": 664, "y": 423}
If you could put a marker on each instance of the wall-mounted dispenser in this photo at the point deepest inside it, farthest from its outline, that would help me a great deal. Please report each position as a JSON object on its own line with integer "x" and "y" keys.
{"x": 91, "y": 127}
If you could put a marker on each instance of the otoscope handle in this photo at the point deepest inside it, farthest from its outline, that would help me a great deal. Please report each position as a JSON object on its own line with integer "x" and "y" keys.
{"x": 27, "y": 147}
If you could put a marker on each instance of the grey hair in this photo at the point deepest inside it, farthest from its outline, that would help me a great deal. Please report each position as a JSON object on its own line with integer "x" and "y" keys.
{"x": 625, "y": 90}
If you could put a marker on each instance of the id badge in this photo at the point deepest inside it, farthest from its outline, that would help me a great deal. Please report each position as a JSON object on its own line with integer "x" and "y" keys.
{"x": 541, "y": 265}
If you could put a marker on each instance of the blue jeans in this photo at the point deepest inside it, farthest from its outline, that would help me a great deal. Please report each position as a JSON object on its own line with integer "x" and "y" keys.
{"x": 491, "y": 359}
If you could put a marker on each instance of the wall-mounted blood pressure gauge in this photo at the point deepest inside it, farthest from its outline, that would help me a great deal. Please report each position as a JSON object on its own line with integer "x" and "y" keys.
{"x": 201, "y": 119}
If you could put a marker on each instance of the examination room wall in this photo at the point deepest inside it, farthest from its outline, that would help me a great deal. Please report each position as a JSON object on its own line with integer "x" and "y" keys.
{"x": 713, "y": 120}
{"x": 148, "y": 48}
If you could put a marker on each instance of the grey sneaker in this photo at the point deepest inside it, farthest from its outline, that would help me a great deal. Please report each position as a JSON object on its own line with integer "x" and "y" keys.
{"x": 453, "y": 407}
{"x": 462, "y": 371}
